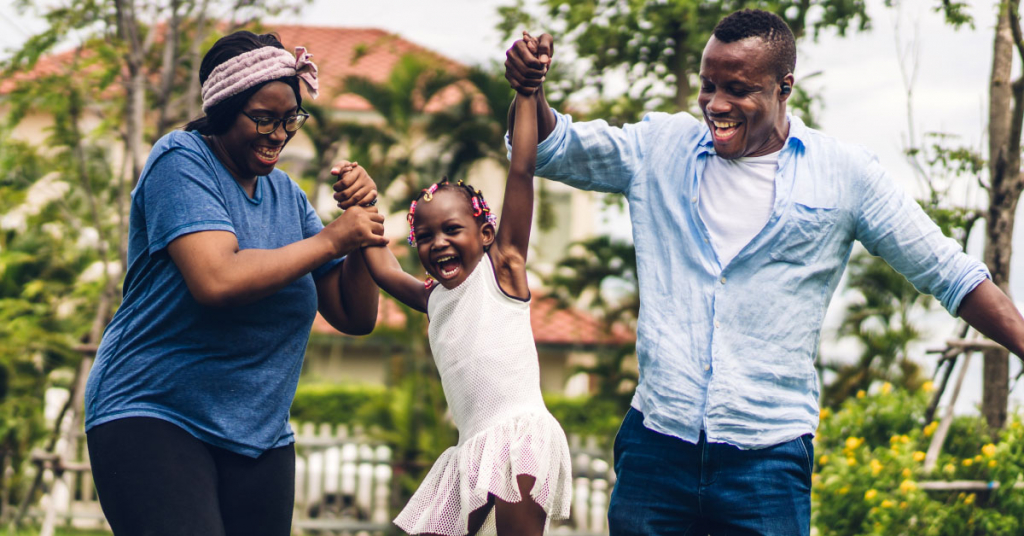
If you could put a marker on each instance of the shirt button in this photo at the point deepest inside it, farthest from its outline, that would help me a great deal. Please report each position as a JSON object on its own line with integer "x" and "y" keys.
{"x": 723, "y": 280}
{"x": 707, "y": 368}
{"x": 705, "y": 240}
{"x": 693, "y": 199}
{"x": 717, "y": 325}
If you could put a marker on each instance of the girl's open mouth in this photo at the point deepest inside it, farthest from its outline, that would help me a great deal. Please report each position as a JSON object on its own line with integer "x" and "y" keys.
{"x": 448, "y": 267}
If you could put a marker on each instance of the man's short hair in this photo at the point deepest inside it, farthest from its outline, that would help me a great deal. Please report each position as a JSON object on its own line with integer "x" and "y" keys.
{"x": 770, "y": 28}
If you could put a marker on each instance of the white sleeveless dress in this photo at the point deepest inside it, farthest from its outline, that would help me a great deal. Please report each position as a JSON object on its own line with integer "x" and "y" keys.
{"x": 483, "y": 345}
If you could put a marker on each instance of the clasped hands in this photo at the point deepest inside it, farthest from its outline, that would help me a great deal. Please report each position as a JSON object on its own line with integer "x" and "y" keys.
{"x": 356, "y": 194}
{"x": 527, "y": 62}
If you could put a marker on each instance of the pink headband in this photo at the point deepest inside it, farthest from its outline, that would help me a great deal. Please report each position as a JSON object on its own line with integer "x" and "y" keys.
{"x": 254, "y": 67}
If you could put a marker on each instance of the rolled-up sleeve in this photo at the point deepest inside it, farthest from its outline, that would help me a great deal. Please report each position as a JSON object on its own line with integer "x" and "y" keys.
{"x": 590, "y": 155}
{"x": 892, "y": 225}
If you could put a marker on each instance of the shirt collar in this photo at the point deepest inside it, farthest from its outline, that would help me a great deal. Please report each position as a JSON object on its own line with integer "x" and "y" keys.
{"x": 797, "y": 136}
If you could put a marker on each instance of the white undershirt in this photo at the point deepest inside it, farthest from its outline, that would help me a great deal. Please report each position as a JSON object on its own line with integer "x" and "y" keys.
{"x": 736, "y": 199}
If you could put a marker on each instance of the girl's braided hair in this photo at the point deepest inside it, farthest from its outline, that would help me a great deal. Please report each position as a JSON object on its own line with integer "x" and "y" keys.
{"x": 481, "y": 211}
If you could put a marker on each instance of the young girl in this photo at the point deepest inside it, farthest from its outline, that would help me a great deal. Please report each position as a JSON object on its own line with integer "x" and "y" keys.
{"x": 512, "y": 455}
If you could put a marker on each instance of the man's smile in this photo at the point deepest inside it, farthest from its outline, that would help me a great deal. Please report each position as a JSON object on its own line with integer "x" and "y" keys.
{"x": 724, "y": 130}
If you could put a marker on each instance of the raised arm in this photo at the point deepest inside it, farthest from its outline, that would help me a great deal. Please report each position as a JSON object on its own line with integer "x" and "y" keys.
{"x": 380, "y": 263}
{"x": 513, "y": 240}
{"x": 388, "y": 275}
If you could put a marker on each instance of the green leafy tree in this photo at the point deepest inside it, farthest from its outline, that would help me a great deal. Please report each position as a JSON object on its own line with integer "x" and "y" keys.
{"x": 64, "y": 202}
{"x": 658, "y": 43}
{"x": 600, "y": 274}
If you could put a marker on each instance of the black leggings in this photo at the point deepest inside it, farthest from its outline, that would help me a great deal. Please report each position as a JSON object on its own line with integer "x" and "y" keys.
{"x": 155, "y": 479}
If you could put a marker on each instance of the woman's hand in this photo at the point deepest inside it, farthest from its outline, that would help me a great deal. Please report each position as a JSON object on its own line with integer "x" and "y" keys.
{"x": 356, "y": 227}
{"x": 354, "y": 185}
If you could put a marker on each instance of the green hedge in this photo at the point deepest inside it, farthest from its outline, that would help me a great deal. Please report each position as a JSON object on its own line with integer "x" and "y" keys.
{"x": 587, "y": 416}
{"x": 362, "y": 404}
{"x": 338, "y": 403}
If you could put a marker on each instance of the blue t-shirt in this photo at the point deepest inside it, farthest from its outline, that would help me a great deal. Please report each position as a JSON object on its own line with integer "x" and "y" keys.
{"x": 226, "y": 375}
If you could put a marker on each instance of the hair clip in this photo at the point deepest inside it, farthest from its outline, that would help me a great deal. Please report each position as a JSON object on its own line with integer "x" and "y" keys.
{"x": 412, "y": 231}
{"x": 429, "y": 283}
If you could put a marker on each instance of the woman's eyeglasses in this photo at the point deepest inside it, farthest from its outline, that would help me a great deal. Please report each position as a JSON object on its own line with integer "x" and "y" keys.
{"x": 268, "y": 125}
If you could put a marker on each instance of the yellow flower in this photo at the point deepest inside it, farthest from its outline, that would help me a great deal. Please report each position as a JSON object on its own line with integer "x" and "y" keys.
{"x": 894, "y": 439}
{"x": 870, "y": 494}
{"x": 949, "y": 468}
{"x": 861, "y": 394}
{"x": 844, "y": 490}
{"x": 989, "y": 450}
{"x": 887, "y": 503}
{"x": 853, "y": 442}
{"x": 919, "y": 456}
{"x": 904, "y": 439}
{"x": 928, "y": 386}
{"x": 992, "y": 463}
{"x": 903, "y": 504}
{"x": 886, "y": 388}
{"x": 825, "y": 413}
{"x": 851, "y": 461}
{"x": 906, "y": 473}
{"x": 823, "y": 460}
{"x": 930, "y": 429}
{"x": 967, "y": 462}
{"x": 969, "y": 499}
{"x": 876, "y": 467}
{"x": 907, "y": 486}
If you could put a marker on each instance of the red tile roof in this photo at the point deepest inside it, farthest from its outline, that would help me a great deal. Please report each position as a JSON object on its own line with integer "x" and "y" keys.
{"x": 369, "y": 52}
{"x": 46, "y": 66}
{"x": 338, "y": 53}
{"x": 551, "y": 325}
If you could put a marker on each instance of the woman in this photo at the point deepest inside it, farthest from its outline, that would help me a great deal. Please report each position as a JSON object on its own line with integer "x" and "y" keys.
{"x": 187, "y": 404}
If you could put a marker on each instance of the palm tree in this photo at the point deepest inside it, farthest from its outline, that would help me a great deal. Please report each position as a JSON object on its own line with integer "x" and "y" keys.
{"x": 402, "y": 100}
{"x": 474, "y": 128}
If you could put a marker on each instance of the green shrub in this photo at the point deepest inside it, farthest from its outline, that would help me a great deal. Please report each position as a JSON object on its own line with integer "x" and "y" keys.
{"x": 587, "y": 416}
{"x": 338, "y": 404}
{"x": 869, "y": 467}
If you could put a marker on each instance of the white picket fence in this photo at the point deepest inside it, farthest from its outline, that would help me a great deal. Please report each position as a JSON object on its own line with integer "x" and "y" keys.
{"x": 343, "y": 485}
{"x": 342, "y": 482}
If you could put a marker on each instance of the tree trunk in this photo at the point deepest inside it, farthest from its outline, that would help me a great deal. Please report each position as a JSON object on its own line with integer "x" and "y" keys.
{"x": 135, "y": 85}
{"x": 168, "y": 68}
{"x": 1005, "y": 114}
{"x": 192, "y": 97}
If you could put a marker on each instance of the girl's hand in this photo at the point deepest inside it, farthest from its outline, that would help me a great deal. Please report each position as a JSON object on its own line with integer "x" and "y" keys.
{"x": 354, "y": 185}
{"x": 356, "y": 227}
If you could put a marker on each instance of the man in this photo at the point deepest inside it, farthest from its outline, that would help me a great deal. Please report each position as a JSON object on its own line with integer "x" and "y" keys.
{"x": 743, "y": 224}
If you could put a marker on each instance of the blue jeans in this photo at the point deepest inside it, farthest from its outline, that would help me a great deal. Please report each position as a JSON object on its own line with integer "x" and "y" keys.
{"x": 665, "y": 485}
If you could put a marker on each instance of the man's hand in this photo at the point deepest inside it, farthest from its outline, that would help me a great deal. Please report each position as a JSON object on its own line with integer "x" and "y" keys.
{"x": 527, "y": 62}
{"x": 354, "y": 185}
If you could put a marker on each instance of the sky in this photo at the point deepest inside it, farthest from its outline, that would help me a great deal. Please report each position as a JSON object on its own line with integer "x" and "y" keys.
{"x": 858, "y": 78}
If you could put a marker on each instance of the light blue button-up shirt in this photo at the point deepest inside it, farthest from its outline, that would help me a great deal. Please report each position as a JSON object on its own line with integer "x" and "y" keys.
{"x": 730, "y": 349}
